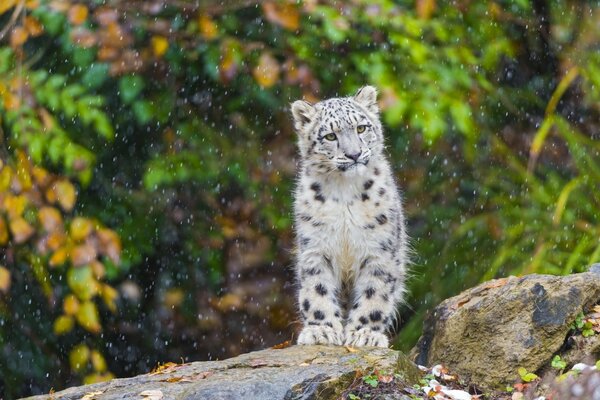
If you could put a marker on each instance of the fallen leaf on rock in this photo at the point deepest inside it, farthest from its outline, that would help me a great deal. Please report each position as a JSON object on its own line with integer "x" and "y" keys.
{"x": 283, "y": 345}
{"x": 152, "y": 394}
{"x": 91, "y": 395}
{"x": 165, "y": 368}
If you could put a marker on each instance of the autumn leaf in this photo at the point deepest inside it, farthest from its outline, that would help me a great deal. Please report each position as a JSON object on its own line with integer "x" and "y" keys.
{"x": 63, "y": 324}
{"x": 266, "y": 72}
{"x": 110, "y": 244}
{"x": 50, "y": 218}
{"x": 15, "y": 205}
{"x": 18, "y": 36}
{"x": 208, "y": 27}
{"x": 82, "y": 282}
{"x": 21, "y": 230}
{"x": 98, "y": 361}
{"x": 285, "y": 15}
{"x": 80, "y": 228}
{"x": 78, "y": 13}
{"x": 64, "y": 193}
{"x": 109, "y": 295}
{"x": 4, "y": 279}
{"x": 98, "y": 269}
{"x": 59, "y": 257}
{"x": 6, "y": 5}
{"x": 79, "y": 356}
{"x": 159, "y": 45}
{"x": 83, "y": 255}
{"x": 3, "y": 232}
{"x": 425, "y": 8}
{"x": 230, "y": 59}
{"x": 70, "y": 305}
{"x": 87, "y": 316}
{"x": 33, "y": 26}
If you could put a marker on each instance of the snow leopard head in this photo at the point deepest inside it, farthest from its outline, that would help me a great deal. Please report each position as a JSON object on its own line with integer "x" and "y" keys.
{"x": 339, "y": 134}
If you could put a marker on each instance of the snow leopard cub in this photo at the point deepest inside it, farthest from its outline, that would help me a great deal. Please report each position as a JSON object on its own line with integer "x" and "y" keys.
{"x": 350, "y": 233}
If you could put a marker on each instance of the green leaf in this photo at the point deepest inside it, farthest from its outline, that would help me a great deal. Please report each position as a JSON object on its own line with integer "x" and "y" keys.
{"x": 143, "y": 111}
{"x": 558, "y": 363}
{"x": 95, "y": 75}
{"x": 81, "y": 281}
{"x": 526, "y": 376}
{"x": 371, "y": 380}
{"x": 130, "y": 87}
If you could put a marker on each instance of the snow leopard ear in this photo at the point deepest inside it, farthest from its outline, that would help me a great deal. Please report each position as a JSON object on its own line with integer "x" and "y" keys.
{"x": 303, "y": 113}
{"x": 367, "y": 97}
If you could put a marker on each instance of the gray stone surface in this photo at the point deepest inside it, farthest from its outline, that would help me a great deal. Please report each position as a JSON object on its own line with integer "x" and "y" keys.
{"x": 297, "y": 372}
{"x": 486, "y": 333}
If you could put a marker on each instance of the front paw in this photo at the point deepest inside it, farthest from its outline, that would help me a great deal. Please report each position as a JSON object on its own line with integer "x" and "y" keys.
{"x": 366, "y": 337}
{"x": 321, "y": 334}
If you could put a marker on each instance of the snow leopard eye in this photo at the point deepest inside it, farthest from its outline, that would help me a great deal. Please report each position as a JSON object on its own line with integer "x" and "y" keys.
{"x": 361, "y": 128}
{"x": 330, "y": 136}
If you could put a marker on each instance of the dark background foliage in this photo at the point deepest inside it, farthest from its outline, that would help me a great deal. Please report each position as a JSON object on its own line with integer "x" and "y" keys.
{"x": 148, "y": 163}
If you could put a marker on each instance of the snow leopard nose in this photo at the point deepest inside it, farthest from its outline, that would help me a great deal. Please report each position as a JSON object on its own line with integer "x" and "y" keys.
{"x": 353, "y": 156}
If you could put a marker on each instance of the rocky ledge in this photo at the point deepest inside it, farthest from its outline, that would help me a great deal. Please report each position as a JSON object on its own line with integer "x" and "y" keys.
{"x": 538, "y": 334}
{"x": 297, "y": 372}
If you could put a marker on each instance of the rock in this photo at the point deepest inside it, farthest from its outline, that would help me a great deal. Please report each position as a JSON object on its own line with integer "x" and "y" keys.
{"x": 293, "y": 373}
{"x": 486, "y": 333}
{"x": 584, "y": 386}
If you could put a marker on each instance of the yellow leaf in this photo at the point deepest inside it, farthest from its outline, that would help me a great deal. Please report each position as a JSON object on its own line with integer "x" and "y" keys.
{"x": 87, "y": 316}
{"x": 159, "y": 45}
{"x": 59, "y": 257}
{"x": 18, "y": 36}
{"x": 266, "y": 72}
{"x": 55, "y": 240}
{"x": 33, "y": 26}
{"x": 23, "y": 168}
{"x": 208, "y": 28}
{"x": 70, "y": 305}
{"x": 78, "y": 357}
{"x": 285, "y": 15}
{"x": 83, "y": 254}
{"x": 81, "y": 228}
{"x": 6, "y": 5}
{"x": 425, "y": 8}
{"x": 21, "y": 230}
{"x": 3, "y": 232}
{"x": 63, "y": 191}
{"x": 50, "y": 218}
{"x": 32, "y": 4}
{"x": 110, "y": 244}
{"x": 98, "y": 361}
{"x": 4, "y": 279}
{"x": 15, "y": 205}
{"x": 63, "y": 324}
{"x": 98, "y": 269}
{"x": 109, "y": 295}
{"x": 41, "y": 176}
{"x": 78, "y": 13}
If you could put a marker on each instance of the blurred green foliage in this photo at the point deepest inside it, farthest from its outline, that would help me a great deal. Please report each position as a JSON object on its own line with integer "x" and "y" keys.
{"x": 169, "y": 124}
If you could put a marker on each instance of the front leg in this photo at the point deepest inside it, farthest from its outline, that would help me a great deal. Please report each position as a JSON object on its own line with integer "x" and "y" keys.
{"x": 319, "y": 305}
{"x": 378, "y": 288}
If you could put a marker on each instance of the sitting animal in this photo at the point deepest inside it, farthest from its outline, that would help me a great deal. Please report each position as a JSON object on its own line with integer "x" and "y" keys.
{"x": 350, "y": 231}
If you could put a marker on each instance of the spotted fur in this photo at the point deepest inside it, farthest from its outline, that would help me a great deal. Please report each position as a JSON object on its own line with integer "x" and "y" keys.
{"x": 350, "y": 231}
